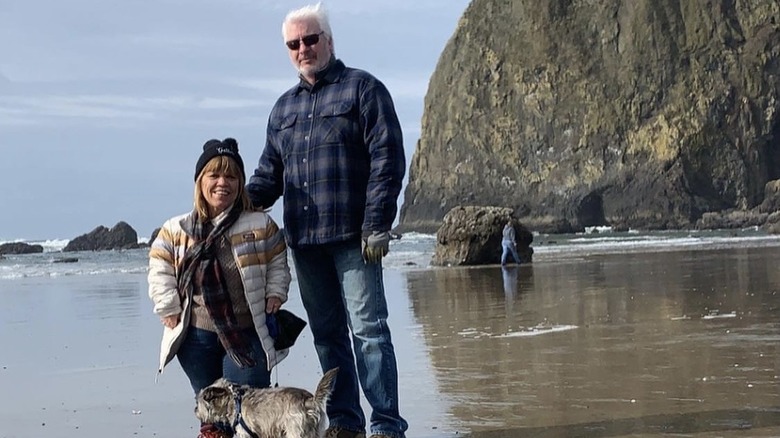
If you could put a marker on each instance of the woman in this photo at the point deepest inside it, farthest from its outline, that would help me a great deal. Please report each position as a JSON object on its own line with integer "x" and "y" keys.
{"x": 214, "y": 273}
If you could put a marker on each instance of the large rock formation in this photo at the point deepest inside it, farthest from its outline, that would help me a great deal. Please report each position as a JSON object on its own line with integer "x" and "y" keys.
{"x": 155, "y": 232}
{"x": 640, "y": 114}
{"x": 20, "y": 248}
{"x": 120, "y": 236}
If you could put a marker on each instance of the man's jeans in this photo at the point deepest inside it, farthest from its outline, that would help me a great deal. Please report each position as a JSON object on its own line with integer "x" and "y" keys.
{"x": 341, "y": 293}
{"x": 204, "y": 360}
{"x": 509, "y": 248}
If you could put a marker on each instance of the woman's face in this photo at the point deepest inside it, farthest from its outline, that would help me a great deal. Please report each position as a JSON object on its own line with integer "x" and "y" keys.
{"x": 220, "y": 190}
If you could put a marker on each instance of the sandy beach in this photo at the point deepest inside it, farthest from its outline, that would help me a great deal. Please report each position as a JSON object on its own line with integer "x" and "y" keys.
{"x": 683, "y": 343}
{"x": 80, "y": 356}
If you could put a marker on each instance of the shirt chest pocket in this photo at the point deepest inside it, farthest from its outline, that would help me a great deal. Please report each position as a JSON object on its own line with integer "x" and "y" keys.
{"x": 339, "y": 123}
{"x": 283, "y": 129}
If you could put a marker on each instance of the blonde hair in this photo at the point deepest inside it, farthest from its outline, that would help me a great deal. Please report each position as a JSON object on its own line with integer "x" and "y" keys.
{"x": 225, "y": 165}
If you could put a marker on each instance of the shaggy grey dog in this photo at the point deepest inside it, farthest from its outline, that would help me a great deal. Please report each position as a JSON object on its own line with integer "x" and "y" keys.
{"x": 267, "y": 412}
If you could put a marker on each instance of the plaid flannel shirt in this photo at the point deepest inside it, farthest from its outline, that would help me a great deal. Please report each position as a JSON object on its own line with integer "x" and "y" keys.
{"x": 335, "y": 151}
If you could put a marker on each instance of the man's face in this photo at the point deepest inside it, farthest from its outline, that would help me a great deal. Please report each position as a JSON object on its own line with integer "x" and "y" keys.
{"x": 308, "y": 59}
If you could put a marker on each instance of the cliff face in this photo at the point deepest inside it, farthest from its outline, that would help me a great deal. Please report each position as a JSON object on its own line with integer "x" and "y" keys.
{"x": 633, "y": 113}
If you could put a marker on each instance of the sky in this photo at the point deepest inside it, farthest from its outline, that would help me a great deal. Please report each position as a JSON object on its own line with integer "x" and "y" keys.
{"x": 105, "y": 104}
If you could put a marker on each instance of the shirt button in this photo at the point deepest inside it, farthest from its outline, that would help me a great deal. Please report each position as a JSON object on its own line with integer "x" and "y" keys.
{"x": 309, "y": 116}
{"x": 305, "y": 184}
{"x": 305, "y": 208}
{"x": 306, "y": 137}
{"x": 304, "y": 160}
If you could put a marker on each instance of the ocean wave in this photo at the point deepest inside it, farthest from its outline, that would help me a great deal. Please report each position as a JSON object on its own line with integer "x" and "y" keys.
{"x": 654, "y": 242}
{"x": 59, "y": 264}
{"x": 538, "y": 330}
{"x": 21, "y": 271}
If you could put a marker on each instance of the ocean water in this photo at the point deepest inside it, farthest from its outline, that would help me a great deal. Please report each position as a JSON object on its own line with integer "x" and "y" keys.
{"x": 412, "y": 252}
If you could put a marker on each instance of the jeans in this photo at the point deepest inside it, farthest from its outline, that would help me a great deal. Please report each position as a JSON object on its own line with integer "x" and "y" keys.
{"x": 341, "y": 293}
{"x": 506, "y": 249}
{"x": 204, "y": 360}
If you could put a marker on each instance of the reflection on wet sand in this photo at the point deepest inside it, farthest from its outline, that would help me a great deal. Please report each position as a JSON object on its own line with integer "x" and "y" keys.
{"x": 743, "y": 421}
{"x": 658, "y": 343}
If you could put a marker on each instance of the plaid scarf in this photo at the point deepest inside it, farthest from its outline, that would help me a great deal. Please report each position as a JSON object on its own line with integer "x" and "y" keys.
{"x": 202, "y": 273}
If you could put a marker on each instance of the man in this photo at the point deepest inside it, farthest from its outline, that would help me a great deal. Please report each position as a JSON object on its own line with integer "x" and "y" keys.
{"x": 334, "y": 149}
{"x": 509, "y": 244}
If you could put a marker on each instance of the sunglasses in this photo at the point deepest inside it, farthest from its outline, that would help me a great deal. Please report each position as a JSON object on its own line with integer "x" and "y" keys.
{"x": 308, "y": 41}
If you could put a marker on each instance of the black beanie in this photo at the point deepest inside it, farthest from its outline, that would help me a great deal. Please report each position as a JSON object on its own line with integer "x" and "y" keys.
{"x": 215, "y": 148}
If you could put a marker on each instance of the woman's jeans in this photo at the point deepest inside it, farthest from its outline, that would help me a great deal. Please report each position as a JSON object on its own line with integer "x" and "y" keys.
{"x": 509, "y": 248}
{"x": 204, "y": 360}
{"x": 342, "y": 293}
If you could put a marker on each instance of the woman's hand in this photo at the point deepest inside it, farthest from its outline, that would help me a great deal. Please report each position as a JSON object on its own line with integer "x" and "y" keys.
{"x": 272, "y": 304}
{"x": 170, "y": 321}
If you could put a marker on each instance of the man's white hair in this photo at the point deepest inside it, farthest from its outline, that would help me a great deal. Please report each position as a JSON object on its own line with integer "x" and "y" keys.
{"x": 309, "y": 12}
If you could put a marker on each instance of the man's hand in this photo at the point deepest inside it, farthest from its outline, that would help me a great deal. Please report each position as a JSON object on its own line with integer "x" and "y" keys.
{"x": 375, "y": 245}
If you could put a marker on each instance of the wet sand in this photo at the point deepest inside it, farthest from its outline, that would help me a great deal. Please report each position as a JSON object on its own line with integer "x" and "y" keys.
{"x": 679, "y": 343}
{"x": 663, "y": 344}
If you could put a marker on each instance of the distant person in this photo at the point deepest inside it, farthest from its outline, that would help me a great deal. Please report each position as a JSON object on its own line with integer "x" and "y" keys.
{"x": 509, "y": 244}
{"x": 214, "y": 273}
{"x": 334, "y": 149}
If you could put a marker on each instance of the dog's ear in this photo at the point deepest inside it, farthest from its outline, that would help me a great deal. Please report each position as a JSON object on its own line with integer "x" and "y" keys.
{"x": 212, "y": 393}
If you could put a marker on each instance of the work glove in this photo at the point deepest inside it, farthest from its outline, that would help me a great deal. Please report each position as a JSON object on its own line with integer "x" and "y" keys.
{"x": 375, "y": 245}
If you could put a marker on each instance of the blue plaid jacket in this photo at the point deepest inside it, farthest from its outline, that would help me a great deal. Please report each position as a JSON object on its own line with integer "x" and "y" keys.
{"x": 335, "y": 150}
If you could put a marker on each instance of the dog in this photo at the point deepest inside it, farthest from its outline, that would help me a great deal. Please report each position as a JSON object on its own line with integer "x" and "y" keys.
{"x": 267, "y": 412}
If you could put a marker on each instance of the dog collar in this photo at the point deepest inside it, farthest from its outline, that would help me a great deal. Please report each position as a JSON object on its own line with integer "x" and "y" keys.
{"x": 239, "y": 420}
